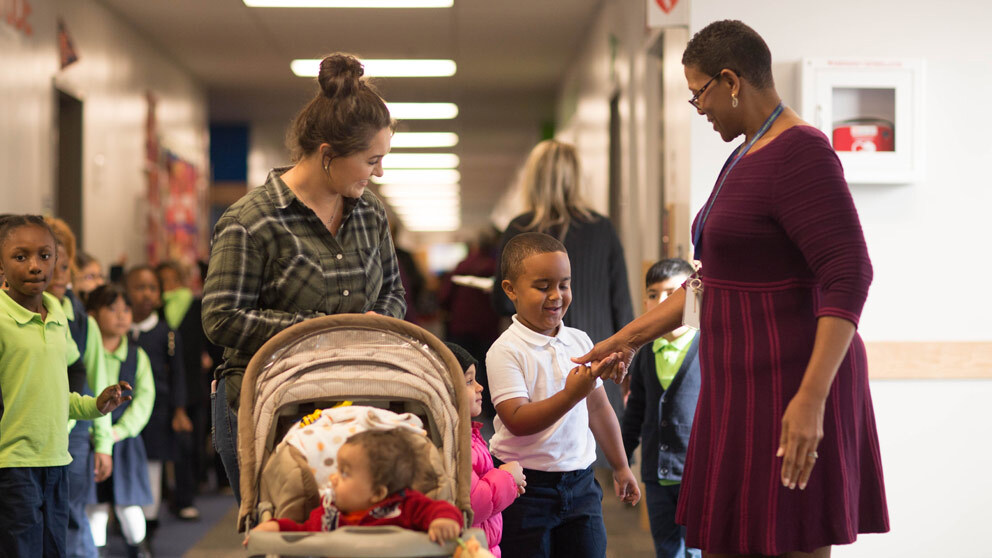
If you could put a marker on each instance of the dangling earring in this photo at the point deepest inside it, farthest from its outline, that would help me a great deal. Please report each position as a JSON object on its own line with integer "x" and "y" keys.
{"x": 733, "y": 100}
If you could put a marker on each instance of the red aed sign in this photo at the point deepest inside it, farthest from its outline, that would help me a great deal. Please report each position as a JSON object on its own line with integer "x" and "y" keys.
{"x": 666, "y": 5}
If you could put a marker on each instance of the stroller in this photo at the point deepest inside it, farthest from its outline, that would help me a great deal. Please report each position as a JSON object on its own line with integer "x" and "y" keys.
{"x": 368, "y": 360}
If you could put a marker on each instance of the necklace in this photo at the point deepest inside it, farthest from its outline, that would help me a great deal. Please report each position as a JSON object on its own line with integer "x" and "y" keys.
{"x": 334, "y": 212}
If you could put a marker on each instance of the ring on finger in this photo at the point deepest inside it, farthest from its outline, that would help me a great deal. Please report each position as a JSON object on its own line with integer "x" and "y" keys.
{"x": 813, "y": 455}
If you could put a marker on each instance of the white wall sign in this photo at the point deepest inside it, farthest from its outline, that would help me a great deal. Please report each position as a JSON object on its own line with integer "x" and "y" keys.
{"x": 667, "y": 13}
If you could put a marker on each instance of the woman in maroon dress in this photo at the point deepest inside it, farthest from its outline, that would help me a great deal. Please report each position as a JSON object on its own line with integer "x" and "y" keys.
{"x": 783, "y": 458}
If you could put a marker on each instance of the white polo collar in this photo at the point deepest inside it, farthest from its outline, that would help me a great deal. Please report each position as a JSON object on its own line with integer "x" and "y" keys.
{"x": 539, "y": 340}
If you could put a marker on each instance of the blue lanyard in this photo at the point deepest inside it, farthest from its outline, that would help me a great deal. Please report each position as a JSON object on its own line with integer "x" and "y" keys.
{"x": 727, "y": 167}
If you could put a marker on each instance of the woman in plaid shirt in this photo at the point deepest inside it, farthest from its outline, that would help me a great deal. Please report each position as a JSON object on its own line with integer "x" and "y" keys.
{"x": 311, "y": 241}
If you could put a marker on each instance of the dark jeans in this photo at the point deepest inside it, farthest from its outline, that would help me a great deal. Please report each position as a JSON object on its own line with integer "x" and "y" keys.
{"x": 669, "y": 537}
{"x": 34, "y": 514}
{"x": 79, "y": 537}
{"x": 560, "y": 514}
{"x": 225, "y": 434}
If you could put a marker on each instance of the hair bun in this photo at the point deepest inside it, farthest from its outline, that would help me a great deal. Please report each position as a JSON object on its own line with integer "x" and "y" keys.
{"x": 340, "y": 74}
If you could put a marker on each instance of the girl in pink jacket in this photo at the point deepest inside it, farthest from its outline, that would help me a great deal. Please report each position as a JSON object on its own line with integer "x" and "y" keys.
{"x": 492, "y": 489}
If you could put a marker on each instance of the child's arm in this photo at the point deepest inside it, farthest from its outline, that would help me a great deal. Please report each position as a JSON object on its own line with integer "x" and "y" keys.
{"x": 523, "y": 417}
{"x": 134, "y": 419}
{"x": 441, "y": 520}
{"x": 177, "y": 383}
{"x": 633, "y": 412}
{"x": 492, "y": 493}
{"x": 96, "y": 376}
{"x": 444, "y": 529}
{"x": 606, "y": 430}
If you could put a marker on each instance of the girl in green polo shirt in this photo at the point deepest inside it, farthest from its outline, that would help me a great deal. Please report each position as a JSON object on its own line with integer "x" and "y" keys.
{"x": 35, "y": 350}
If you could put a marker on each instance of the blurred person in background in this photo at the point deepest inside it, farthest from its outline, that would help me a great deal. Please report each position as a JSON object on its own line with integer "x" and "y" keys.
{"x": 601, "y": 303}
{"x": 470, "y": 320}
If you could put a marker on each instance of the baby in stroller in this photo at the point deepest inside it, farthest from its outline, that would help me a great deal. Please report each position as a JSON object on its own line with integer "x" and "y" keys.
{"x": 307, "y": 393}
{"x": 376, "y": 469}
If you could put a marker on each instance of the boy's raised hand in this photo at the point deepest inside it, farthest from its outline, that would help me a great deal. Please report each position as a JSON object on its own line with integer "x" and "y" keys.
{"x": 443, "y": 529}
{"x": 580, "y": 382}
{"x": 625, "y": 486}
{"x": 113, "y": 397}
{"x": 514, "y": 468}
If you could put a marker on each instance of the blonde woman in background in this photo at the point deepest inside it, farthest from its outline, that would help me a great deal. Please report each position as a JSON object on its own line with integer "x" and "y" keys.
{"x": 601, "y": 303}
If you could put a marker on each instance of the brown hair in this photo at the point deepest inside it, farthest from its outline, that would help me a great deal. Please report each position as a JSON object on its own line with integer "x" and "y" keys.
{"x": 345, "y": 114}
{"x": 392, "y": 457}
{"x": 64, "y": 236}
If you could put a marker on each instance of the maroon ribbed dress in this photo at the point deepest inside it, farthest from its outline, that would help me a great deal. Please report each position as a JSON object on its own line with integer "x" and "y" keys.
{"x": 781, "y": 247}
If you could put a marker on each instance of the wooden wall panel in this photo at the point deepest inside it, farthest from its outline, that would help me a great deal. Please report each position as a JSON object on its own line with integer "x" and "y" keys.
{"x": 929, "y": 360}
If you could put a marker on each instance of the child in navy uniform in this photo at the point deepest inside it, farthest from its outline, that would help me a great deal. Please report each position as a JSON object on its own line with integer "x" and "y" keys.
{"x": 664, "y": 387}
{"x": 164, "y": 347}
{"x": 128, "y": 487}
{"x": 181, "y": 309}
{"x": 90, "y": 442}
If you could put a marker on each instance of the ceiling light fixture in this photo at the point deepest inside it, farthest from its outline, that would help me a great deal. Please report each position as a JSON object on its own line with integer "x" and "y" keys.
{"x": 349, "y": 3}
{"x": 424, "y": 139}
{"x": 423, "y": 111}
{"x": 420, "y": 161}
{"x": 437, "y": 206}
{"x": 310, "y": 67}
{"x": 419, "y": 176}
{"x": 420, "y": 191}
{"x": 413, "y": 223}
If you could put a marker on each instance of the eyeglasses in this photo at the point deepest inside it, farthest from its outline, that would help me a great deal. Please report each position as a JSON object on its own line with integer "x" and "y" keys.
{"x": 694, "y": 101}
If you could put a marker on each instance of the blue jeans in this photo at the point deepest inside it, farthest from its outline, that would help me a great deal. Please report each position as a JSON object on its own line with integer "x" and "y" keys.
{"x": 225, "y": 435}
{"x": 79, "y": 539}
{"x": 560, "y": 514}
{"x": 33, "y": 511}
{"x": 669, "y": 537}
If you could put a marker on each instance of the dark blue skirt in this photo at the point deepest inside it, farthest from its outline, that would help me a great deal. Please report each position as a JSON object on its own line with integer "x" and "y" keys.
{"x": 128, "y": 484}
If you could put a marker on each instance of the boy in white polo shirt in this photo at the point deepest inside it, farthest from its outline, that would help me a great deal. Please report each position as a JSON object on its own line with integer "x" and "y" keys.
{"x": 551, "y": 413}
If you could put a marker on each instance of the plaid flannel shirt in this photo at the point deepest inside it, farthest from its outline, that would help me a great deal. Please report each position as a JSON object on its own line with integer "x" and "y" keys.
{"x": 273, "y": 263}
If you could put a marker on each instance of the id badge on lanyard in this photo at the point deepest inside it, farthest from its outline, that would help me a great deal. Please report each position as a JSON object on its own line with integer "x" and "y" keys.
{"x": 693, "y": 300}
{"x": 694, "y": 286}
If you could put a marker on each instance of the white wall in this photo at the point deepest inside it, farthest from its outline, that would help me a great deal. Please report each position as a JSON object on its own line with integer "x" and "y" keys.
{"x": 927, "y": 240}
{"x": 116, "y": 68}
{"x": 26, "y": 106}
{"x": 936, "y": 459}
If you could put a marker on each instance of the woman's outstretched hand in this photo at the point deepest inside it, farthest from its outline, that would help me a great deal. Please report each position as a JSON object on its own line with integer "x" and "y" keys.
{"x": 611, "y": 358}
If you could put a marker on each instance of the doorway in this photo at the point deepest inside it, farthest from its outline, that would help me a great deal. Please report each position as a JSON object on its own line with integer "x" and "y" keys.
{"x": 615, "y": 180}
{"x": 69, "y": 175}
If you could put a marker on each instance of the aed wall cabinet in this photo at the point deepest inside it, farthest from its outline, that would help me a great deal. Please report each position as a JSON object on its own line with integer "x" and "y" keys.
{"x": 872, "y": 111}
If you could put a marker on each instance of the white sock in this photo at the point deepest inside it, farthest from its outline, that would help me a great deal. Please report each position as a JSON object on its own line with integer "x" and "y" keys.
{"x": 132, "y": 523}
{"x": 155, "y": 479}
{"x": 98, "y": 515}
